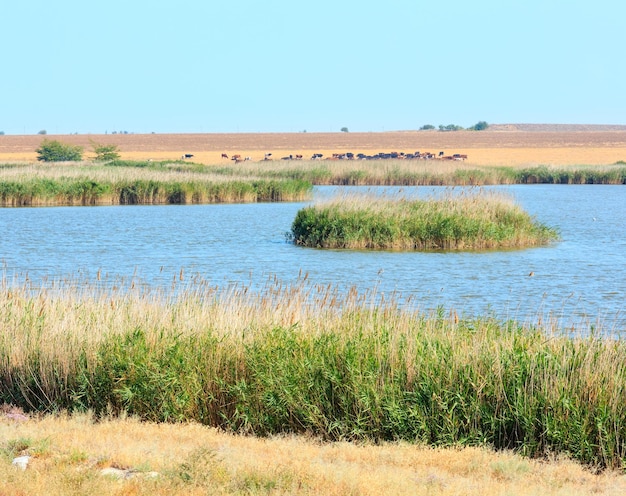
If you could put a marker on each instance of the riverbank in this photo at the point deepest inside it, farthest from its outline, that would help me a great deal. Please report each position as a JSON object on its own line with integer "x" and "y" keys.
{"x": 180, "y": 182}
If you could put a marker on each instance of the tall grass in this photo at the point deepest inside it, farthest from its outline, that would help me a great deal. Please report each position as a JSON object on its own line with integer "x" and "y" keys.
{"x": 426, "y": 173}
{"x": 472, "y": 220}
{"x": 146, "y": 184}
{"x": 307, "y": 359}
{"x": 15, "y": 179}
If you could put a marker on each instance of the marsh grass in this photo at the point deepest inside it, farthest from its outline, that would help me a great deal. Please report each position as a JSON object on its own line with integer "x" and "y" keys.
{"x": 308, "y": 359}
{"x": 426, "y": 173}
{"x": 183, "y": 182}
{"x": 141, "y": 183}
{"x": 470, "y": 220}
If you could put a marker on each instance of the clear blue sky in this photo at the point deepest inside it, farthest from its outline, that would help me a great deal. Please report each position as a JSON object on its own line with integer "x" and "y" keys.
{"x": 287, "y": 66}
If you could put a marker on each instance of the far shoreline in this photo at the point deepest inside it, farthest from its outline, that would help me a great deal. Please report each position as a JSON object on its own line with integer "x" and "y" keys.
{"x": 491, "y": 147}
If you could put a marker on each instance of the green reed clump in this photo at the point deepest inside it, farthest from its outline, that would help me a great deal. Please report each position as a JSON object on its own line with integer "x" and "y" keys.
{"x": 43, "y": 191}
{"x": 307, "y": 359}
{"x": 581, "y": 175}
{"x": 86, "y": 191}
{"x": 455, "y": 222}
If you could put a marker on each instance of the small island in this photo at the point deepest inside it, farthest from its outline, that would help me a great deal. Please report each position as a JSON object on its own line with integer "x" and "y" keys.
{"x": 474, "y": 220}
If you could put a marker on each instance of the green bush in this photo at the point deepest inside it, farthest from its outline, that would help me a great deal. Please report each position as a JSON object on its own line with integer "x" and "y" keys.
{"x": 479, "y": 126}
{"x": 105, "y": 153}
{"x": 55, "y": 151}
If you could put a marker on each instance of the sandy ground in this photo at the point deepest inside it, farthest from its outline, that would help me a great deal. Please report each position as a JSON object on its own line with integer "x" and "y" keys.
{"x": 501, "y": 146}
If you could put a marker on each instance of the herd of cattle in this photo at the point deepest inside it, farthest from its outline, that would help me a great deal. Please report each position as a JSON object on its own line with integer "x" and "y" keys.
{"x": 357, "y": 156}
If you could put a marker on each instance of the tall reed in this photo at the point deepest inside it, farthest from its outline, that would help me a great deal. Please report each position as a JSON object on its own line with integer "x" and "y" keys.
{"x": 309, "y": 359}
{"x": 81, "y": 184}
{"x": 471, "y": 220}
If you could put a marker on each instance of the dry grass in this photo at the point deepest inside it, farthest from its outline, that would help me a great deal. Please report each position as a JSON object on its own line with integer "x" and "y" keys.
{"x": 69, "y": 453}
{"x": 490, "y": 147}
{"x": 81, "y": 170}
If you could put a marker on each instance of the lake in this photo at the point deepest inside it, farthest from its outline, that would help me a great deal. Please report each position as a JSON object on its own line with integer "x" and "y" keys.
{"x": 581, "y": 279}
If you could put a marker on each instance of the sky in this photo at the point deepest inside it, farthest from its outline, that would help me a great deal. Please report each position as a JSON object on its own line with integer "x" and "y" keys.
{"x": 206, "y": 66}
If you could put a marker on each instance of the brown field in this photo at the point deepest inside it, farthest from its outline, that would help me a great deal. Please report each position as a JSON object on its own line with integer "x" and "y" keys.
{"x": 508, "y": 145}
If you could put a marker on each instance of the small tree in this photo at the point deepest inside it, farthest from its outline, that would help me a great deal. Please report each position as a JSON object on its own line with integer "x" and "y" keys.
{"x": 479, "y": 126}
{"x": 427, "y": 127}
{"x": 105, "y": 153}
{"x": 55, "y": 151}
{"x": 43, "y": 131}
{"x": 344, "y": 129}
{"x": 450, "y": 127}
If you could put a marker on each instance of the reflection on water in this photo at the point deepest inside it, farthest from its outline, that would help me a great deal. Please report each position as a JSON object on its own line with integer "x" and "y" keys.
{"x": 581, "y": 278}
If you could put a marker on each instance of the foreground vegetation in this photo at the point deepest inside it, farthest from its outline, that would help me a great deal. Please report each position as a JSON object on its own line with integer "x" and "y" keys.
{"x": 123, "y": 182}
{"x": 81, "y": 456}
{"x": 310, "y": 360}
{"x": 474, "y": 220}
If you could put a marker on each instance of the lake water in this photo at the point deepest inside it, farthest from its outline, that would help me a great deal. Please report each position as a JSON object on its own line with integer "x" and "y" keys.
{"x": 581, "y": 279}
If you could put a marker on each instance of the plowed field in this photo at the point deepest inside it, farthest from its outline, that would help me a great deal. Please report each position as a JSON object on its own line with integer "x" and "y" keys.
{"x": 504, "y": 145}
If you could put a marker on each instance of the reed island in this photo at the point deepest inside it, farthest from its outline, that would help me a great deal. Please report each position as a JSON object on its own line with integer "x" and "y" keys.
{"x": 470, "y": 220}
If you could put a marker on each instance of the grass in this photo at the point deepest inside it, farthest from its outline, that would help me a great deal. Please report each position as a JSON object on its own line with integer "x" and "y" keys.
{"x": 475, "y": 220}
{"x": 305, "y": 359}
{"x": 137, "y": 183}
{"x": 426, "y": 173}
{"x": 69, "y": 454}
{"x": 183, "y": 182}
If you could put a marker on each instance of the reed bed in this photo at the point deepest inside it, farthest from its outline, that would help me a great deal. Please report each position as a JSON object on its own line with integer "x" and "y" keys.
{"x": 470, "y": 220}
{"x": 36, "y": 185}
{"x": 308, "y": 359}
{"x": 426, "y": 173}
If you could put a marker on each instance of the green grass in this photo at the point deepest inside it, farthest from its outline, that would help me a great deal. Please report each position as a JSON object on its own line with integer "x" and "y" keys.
{"x": 305, "y": 359}
{"x": 469, "y": 221}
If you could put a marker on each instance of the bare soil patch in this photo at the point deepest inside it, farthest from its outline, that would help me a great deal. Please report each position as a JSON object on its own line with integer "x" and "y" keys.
{"x": 500, "y": 145}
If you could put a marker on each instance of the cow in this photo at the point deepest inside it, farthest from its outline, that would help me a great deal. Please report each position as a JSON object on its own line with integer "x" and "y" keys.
{"x": 440, "y": 154}
{"x": 224, "y": 155}
{"x": 316, "y": 156}
{"x": 187, "y": 155}
{"x": 268, "y": 156}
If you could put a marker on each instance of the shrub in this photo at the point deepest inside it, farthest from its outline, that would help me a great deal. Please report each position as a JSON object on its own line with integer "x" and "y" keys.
{"x": 55, "y": 151}
{"x": 450, "y": 127}
{"x": 427, "y": 127}
{"x": 479, "y": 126}
{"x": 105, "y": 153}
